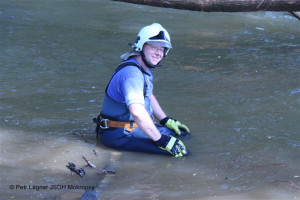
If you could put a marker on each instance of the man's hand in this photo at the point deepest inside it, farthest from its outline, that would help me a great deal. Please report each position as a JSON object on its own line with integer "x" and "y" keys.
{"x": 174, "y": 125}
{"x": 172, "y": 145}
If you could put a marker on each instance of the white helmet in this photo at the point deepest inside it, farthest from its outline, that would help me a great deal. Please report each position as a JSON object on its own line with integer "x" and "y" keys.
{"x": 153, "y": 34}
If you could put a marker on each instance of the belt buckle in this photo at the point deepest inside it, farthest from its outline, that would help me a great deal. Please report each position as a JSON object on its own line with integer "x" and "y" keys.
{"x": 105, "y": 122}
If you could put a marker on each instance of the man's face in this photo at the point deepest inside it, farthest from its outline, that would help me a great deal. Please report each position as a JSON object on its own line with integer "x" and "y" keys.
{"x": 153, "y": 53}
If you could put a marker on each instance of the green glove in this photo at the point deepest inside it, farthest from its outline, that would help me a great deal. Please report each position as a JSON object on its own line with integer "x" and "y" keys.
{"x": 174, "y": 125}
{"x": 172, "y": 145}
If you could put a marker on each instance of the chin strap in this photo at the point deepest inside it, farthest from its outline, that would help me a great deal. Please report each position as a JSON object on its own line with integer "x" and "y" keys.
{"x": 147, "y": 64}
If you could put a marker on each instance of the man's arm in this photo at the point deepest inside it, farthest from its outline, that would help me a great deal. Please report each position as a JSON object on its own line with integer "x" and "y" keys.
{"x": 144, "y": 121}
{"x": 164, "y": 120}
{"x": 158, "y": 112}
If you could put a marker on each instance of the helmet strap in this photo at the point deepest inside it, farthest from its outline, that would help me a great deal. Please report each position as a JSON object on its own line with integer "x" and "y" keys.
{"x": 148, "y": 64}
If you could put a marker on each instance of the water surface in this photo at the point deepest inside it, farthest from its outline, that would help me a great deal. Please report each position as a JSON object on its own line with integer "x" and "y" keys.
{"x": 233, "y": 78}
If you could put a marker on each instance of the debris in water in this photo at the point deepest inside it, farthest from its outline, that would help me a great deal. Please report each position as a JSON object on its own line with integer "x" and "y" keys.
{"x": 72, "y": 168}
{"x": 89, "y": 163}
{"x": 260, "y": 28}
{"x": 280, "y": 164}
{"x": 295, "y": 91}
{"x": 286, "y": 181}
{"x": 95, "y": 152}
{"x": 104, "y": 172}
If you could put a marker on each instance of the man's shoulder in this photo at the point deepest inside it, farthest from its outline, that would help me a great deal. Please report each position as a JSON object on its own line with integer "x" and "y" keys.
{"x": 130, "y": 70}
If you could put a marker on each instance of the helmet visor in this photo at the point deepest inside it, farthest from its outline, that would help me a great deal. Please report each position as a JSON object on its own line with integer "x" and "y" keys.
{"x": 161, "y": 43}
{"x": 160, "y": 39}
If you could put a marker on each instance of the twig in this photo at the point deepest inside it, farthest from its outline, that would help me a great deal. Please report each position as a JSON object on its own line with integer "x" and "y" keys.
{"x": 83, "y": 137}
{"x": 296, "y": 186}
{"x": 89, "y": 163}
{"x": 95, "y": 152}
{"x": 290, "y": 182}
{"x": 280, "y": 164}
{"x": 104, "y": 172}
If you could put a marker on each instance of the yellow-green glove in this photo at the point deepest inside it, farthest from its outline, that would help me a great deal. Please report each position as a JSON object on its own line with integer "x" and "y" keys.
{"x": 172, "y": 145}
{"x": 174, "y": 125}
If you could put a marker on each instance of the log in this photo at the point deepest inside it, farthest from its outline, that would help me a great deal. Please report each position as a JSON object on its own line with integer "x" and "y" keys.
{"x": 223, "y": 5}
{"x": 296, "y": 14}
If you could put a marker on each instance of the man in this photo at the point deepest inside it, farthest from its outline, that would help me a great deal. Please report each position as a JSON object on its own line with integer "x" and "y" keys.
{"x": 125, "y": 121}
